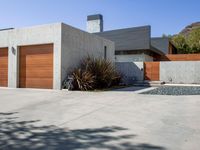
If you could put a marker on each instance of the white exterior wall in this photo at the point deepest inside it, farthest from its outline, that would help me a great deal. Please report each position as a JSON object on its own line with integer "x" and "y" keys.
{"x": 78, "y": 44}
{"x": 32, "y": 36}
{"x": 133, "y": 58}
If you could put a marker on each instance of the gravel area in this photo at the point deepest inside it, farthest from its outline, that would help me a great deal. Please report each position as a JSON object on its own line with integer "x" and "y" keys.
{"x": 174, "y": 90}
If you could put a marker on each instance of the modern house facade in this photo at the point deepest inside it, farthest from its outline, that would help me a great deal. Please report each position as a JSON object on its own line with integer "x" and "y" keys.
{"x": 42, "y": 56}
{"x": 132, "y": 44}
{"x": 140, "y": 57}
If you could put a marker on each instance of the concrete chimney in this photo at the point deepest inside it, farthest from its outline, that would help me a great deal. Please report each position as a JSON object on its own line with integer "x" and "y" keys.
{"x": 95, "y": 23}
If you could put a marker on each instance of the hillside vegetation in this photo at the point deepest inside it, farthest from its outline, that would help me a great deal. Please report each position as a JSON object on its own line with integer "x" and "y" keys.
{"x": 188, "y": 40}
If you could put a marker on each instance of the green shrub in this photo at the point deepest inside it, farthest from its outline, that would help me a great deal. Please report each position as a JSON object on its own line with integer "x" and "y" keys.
{"x": 95, "y": 73}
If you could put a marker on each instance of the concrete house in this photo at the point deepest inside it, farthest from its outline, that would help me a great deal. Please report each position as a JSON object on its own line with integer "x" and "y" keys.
{"x": 42, "y": 56}
{"x": 132, "y": 44}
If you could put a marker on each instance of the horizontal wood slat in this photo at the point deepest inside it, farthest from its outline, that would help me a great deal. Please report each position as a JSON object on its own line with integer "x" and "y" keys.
{"x": 3, "y": 67}
{"x": 179, "y": 57}
{"x": 152, "y": 71}
{"x": 36, "y": 66}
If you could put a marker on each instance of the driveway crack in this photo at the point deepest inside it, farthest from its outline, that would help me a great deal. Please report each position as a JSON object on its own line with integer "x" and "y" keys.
{"x": 84, "y": 115}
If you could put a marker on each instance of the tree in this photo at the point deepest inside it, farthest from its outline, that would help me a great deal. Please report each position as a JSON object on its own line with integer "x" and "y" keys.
{"x": 193, "y": 40}
{"x": 181, "y": 44}
{"x": 187, "y": 44}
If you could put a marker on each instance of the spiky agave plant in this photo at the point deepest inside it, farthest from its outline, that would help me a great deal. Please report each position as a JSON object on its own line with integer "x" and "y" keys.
{"x": 103, "y": 71}
{"x": 83, "y": 80}
{"x": 94, "y": 73}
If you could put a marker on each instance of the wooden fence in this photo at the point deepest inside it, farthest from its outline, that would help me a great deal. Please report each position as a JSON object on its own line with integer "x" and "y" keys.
{"x": 179, "y": 57}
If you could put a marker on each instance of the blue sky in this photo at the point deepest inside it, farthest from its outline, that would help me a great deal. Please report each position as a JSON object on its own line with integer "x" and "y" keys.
{"x": 165, "y": 16}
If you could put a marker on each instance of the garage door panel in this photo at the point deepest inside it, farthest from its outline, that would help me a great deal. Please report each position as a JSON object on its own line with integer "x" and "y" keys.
{"x": 3, "y": 67}
{"x": 36, "y": 66}
{"x": 38, "y": 57}
{"x": 4, "y": 83}
{"x": 37, "y": 82}
{"x": 33, "y": 66}
{"x": 44, "y": 60}
{"x": 42, "y": 49}
{"x": 39, "y": 74}
{"x": 3, "y": 74}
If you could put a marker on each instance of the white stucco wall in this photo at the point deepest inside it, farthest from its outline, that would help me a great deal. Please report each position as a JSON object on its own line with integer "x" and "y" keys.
{"x": 133, "y": 58}
{"x": 77, "y": 44}
{"x": 43, "y": 34}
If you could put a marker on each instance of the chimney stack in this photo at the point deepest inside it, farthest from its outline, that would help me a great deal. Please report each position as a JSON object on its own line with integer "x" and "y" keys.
{"x": 95, "y": 23}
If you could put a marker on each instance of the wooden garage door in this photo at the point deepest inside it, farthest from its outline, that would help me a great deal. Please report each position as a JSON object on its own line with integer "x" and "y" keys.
{"x": 3, "y": 67}
{"x": 36, "y": 66}
{"x": 152, "y": 71}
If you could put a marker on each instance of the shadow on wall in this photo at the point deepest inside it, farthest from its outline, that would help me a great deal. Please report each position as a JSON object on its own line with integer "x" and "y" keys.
{"x": 21, "y": 135}
{"x": 131, "y": 71}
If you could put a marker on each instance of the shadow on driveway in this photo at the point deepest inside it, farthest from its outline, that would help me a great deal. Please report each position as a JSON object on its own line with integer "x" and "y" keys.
{"x": 24, "y": 135}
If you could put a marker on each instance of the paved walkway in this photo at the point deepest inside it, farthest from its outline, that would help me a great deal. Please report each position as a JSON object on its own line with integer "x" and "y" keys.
{"x": 61, "y": 120}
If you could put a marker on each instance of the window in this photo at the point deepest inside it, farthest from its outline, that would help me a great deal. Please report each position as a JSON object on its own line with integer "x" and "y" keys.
{"x": 105, "y": 52}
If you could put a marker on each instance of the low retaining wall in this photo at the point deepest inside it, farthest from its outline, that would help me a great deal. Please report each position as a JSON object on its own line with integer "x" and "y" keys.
{"x": 182, "y": 72}
{"x": 131, "y": 71}
{"x": 178, "y": 72}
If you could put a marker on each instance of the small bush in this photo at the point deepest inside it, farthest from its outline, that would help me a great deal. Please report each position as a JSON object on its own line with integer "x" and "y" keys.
{"x": 82, "y": 80}
{"x": 94, "y": 73}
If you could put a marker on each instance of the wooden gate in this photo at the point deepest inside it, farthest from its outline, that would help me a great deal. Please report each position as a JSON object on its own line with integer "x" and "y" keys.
{"x": 152, "y": 71}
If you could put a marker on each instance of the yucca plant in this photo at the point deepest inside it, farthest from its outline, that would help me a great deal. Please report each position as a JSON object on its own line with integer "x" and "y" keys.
{"x": 102, "y": 70}
{"x": 83, "y": 80}
{"x": 95, "y": 73}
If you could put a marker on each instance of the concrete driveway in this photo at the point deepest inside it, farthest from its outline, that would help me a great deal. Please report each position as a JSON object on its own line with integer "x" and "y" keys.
{"x": 61, "y": 120}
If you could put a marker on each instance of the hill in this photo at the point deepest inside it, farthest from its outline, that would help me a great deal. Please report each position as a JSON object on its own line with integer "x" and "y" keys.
{"x": 189, "y": 28}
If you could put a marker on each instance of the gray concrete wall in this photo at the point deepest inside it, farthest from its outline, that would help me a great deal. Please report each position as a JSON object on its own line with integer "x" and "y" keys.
{"x": 133, "y": 58}
{"x": 43, "y": 34}
{"x": 187, "y": 72}
{"x": 77, "y": 44}
{"x": 131, "y": 71}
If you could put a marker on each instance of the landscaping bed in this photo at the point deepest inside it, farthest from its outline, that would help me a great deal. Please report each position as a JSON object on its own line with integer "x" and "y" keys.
{"x": 175, "y": 90}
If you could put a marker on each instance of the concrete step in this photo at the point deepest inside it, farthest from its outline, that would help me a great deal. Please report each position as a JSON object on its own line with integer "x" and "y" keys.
{"x": 149, "y": 83}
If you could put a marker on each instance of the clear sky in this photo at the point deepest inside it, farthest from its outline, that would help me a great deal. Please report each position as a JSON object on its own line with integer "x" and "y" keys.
{"x": 165, "y": 16}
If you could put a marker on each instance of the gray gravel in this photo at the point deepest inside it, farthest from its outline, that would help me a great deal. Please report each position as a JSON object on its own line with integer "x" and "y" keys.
{"x": 174, "y": 90}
